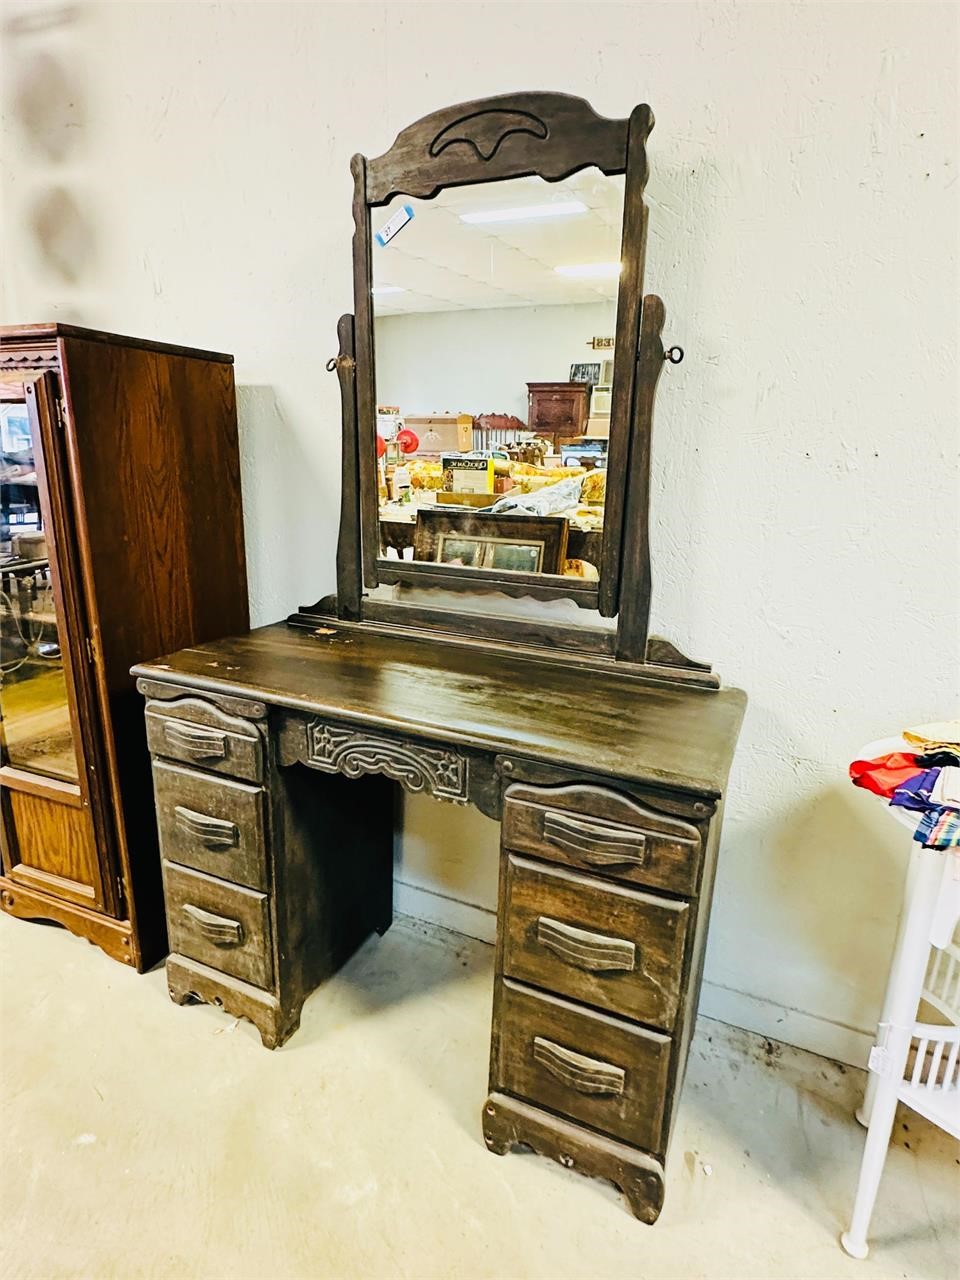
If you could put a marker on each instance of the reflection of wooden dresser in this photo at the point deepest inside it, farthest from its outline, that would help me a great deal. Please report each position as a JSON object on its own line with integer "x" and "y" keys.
{"x": 558, "y": 410}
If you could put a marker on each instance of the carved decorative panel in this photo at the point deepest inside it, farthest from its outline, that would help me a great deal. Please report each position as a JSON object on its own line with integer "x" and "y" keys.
{"x": 437, "y": 771}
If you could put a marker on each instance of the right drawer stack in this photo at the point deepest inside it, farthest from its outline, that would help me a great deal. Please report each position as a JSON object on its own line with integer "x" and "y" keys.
{"x": 595, "y": 928}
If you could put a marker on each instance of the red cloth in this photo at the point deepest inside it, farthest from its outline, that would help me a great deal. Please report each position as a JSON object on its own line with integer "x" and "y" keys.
{"x": 884, "y": 774}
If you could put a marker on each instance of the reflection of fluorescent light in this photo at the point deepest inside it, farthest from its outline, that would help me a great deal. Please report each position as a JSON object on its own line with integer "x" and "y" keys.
{"x": 556, "y": 210}
{"x": 386, "y": 288}
{"x": 590, "y": 269}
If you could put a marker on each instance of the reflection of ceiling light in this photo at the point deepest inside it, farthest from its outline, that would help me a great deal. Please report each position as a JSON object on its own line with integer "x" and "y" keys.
{"x": 379, "y": 289}
{"x": 558, "y": 209}
{"x": 594, "y": 270}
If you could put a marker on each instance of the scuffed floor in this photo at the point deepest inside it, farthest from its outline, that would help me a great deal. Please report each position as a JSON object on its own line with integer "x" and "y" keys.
{"x": 143, "y": 1140}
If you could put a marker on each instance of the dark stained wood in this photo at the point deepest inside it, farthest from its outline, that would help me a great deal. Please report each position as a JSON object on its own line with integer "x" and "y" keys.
{"x": 558, "y": 410}
{"x": 614, "y": 724}
{"x": 634, "y": 609}
{"x": 220, "y": 925}
{"x": 190, "y": 982}
{"x": 617, "y": 532}
{"x": 598, "y": 943}
{"x": 349, "y": 555}
{"x": 211, "y": 824}
{"x": 604, "y": 1072}
{"x": 195, "y": 732}
{"x": 513, "y": 584}
{"x": 510, "y": 136}
{"x": 508, "y": 1122}
{"x": 14, "y": 336}
{"x": 596, "y": 829}
{"x": 365, "y": 394}
{"x": 480, "y": 627}
{"x": 139, "y": 451}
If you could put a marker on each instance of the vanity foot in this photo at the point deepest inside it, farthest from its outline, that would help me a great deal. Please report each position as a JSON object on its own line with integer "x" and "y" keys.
{"x": 508, "y": 1122}
{"x": 188, "y": 981}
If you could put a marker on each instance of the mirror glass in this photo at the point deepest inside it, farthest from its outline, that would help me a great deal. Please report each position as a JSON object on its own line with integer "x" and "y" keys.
{"x": 494, "y": 320}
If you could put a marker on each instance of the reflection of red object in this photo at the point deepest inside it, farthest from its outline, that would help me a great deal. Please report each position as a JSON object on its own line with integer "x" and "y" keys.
{"x": 408, "y": 441}
{"x": 381, "y": 446}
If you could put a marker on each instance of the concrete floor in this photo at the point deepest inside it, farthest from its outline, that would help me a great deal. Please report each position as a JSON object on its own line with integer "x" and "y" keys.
{"x": 139, "y": 1139}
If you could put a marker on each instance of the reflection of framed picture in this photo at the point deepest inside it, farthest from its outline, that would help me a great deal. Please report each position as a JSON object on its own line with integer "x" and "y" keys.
{"x": 463, "y": 538}
{"x": 585, "y": 373}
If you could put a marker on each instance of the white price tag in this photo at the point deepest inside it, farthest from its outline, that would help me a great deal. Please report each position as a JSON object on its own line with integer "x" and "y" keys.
{"x": 394, "y": 224}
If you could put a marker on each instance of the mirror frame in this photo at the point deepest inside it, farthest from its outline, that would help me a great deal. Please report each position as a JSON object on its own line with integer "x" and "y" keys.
{"x": 547, "y": 135}
{"x": 550, "y": 135}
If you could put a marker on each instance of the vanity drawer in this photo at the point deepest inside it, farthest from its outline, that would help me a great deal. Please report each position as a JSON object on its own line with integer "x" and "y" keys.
{"x": 220, "y": 743}
{"x": 595, "y": 829}
{"x": 219, "y": 924}
{"x": 211, "y": 824}
{"x": 603, "y": 1072}
{"x": 605, "y": 945}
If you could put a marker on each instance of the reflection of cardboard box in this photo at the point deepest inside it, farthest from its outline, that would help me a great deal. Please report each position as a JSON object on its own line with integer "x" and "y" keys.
{"x": 598, "y": 428}
{"x": 443, "y": 433}
{"x": 447, "y": 499}
{"x": 467, "y": 475}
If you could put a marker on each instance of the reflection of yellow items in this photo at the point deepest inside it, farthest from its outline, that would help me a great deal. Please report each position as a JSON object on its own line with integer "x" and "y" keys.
{"x": 425, "y": 475}
{"x": 594, "y": 487}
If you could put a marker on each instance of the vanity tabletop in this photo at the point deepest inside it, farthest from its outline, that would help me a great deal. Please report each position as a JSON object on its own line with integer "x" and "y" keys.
{"x": 490, "y": 698}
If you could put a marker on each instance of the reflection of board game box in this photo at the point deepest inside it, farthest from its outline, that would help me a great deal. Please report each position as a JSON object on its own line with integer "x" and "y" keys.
{"x": 467, "y": 475}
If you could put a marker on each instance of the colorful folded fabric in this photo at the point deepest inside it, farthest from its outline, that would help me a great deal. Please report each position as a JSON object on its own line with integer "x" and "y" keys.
{"x": 915, "y": 792}
{"x": 946, "y": 789}
{"x": 939, "y": 829}
{"x": 884, "y": 774}
{"x": 941, "y": 734}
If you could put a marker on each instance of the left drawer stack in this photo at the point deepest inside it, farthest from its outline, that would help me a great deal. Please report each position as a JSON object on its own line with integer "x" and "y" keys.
{"x": 213, "y": 821}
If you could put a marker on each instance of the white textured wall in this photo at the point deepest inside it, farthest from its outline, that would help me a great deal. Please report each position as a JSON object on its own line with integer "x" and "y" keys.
{"x": 481, "y": 361}
{"x": 182, "y": 171}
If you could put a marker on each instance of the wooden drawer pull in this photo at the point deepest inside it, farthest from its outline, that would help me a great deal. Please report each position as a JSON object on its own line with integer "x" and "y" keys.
{"x": 586, "y": 1075}
{"x": 593, "y": 843}
{"x": 195, "y": 741}
{"x": 220, "y": 930}
{"x": 594, "y": 951}
{"x": 214, "y": 833}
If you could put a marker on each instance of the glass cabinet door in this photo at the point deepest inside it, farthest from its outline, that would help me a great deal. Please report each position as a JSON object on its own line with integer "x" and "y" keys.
{"x": 36, "y": 733}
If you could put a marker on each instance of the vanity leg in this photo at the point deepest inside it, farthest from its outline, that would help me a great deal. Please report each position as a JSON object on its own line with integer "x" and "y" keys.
{"x": 190, "y": 982}
{"x": 508, "y": 1122}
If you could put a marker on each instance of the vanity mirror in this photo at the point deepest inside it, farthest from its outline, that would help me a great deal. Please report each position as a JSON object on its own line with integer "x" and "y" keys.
{"x": 498, "y": 379}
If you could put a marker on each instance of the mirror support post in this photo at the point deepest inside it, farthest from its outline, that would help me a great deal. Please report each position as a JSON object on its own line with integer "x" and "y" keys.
{"x": 349, "y": 567}
{"x": 633, "y": 619}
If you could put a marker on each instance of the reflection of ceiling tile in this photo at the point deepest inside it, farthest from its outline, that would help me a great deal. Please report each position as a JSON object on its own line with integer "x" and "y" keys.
{"x": 444, "y": 264}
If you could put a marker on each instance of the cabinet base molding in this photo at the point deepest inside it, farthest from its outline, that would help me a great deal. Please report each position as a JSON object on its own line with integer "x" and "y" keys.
{"x": 115, "y": 937}
{"x": 188, "y": 982}
{"x": 508, "y": 1122}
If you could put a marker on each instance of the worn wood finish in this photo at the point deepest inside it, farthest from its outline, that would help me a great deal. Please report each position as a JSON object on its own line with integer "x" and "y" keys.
{"x": 195, "y": 732}
{"x": 634, "y": 605}
{"x": 613, "y": 724}
{"x": 211, "y": 824}
{"x": 558, "y": 409}
{"x": 600, "y": 1071}
{"x": 140, "y": 454}
{"x": 618, "y": 534}
{"x": 349, "y": 552}
{"x": 190, "y": 982}
{"x": 365, "y": 390}
{"x": 605, "y": 946}
{"x": 509, "y": 1122}
{"x": 511, "y": 584}
{"x": 594, "y": 829}
{"x": 221, "y": 925}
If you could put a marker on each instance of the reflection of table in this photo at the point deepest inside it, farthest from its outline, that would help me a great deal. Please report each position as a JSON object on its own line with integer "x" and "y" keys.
{"x": 397, "y": 532}
{"x": 925, "y": 967}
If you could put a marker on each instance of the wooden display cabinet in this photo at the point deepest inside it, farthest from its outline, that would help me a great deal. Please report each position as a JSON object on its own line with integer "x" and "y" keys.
{"x": 121, "y": 537}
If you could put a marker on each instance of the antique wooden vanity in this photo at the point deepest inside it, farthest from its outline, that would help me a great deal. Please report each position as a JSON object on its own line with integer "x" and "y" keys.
{"x": 537, "y": 697}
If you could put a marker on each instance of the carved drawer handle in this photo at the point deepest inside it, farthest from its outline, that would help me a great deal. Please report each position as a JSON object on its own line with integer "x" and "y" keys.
{"x": 590, "y": 842}
{"x": 195, "y": 741}
{"x": 594, "y": 951}
{"x": 220, "y": 930}
{"x": 586, "y": 1075}
{"x": 215, "y": 833}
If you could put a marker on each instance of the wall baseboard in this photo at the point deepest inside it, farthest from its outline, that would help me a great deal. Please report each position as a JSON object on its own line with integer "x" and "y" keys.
{"x": 849, "y": 1045}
